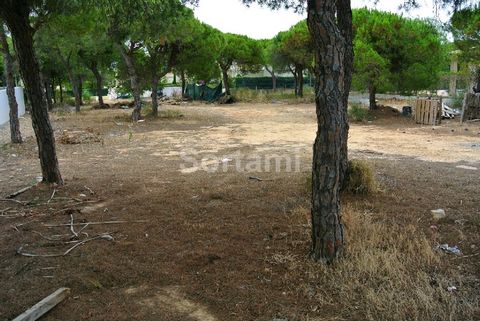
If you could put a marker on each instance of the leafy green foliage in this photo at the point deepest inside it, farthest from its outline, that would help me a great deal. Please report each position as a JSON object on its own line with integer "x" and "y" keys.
{"x": 408, "y": 53}
{"x": 358, "y": 113}
{"x": 371, "y": 69}
{"x": 465, "y": 27}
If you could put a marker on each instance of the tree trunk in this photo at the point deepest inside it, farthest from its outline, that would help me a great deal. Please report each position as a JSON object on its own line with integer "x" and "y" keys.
{"x": 274, "y": 77}
{"x": 300, "y": 82}
{"x": 46, "y": 87}
{"x": 184, "y": 83}
{"x": 330, "y": 53}
{"x": 155, "y": 96}
{"x": 372, "y": 97}
{"x": 344, "y": 20}
{"x": 476, "y": 80}
{"x": 61, "y": 89}
{"x": 15, "y": 135}
{"x": 80, "y": 89}
{"x": 75, "y": 89}
{"x": 16, "y": 15}
{"x": 99, "y": 79}
{"x": 134, "y": 83}
{"x": 52, "y": 88}
{"x": 295, "y": 77}
{"x": 225, "y": 81}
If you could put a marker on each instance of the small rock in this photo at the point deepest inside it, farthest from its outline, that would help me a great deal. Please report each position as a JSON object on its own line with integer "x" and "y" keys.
{"x": 82, "y": 195}
{"x": 452, "y": 289}
{"x": 438, "y": 214}
{"x": 467, "y": 167}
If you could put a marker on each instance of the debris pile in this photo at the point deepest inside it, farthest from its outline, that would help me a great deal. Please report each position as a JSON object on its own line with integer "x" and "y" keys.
{"x": 70, "y": 137}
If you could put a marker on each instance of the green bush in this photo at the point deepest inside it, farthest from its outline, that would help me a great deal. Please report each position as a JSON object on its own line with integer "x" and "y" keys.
{"x": 86, "y": 97}
{"x": 358, "y": 113}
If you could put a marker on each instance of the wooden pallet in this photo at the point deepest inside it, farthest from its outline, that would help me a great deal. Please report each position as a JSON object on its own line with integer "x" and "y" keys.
{"x": 428, "y": 111}
{"x": 471, "y": 107}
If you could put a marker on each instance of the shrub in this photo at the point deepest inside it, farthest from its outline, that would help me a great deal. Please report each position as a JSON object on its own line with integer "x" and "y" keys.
{"x": 360, "y": 178}
{"x": 358, "y": 113}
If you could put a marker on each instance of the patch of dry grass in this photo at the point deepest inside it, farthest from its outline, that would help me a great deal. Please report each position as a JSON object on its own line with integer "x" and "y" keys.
{"x": 360, "y": 178}
{"x": 388, "y": 273}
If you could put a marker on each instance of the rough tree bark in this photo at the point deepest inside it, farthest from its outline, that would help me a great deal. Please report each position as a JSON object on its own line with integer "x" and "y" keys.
{"x": 80, "y": 89}
{"x": 476, "y": 80}
{"x": 46, "y": 88}
{"x": 372, "y": 93}
{"x": 16, "y": 15}
{"x": 155, "y": 95}
{"x": 184, "y": 83}
{"x": 225, "y": 80}
{"x": 60, "y": 81}
{"x": 75, "y": 90}
{"x": 274, "y": 77}
{"x": 300, "y": 81}
{"x": 331, "y": 49}
{"x": 295, "y": 78}
{"x": 134, "y": 83}
{"x": 72, "y": 78}
{"x": 52, "y": 88}
{"x": 15, "y": 135}
{"x": 99, "y": 79}
{"x": 344, "y": 21}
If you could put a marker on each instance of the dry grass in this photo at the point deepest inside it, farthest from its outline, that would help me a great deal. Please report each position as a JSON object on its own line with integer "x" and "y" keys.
{"x": 360, "y": 178}
{"x": 388, "y": 273}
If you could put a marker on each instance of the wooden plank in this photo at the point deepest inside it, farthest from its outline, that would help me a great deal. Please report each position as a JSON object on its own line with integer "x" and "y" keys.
{"x": 42, "y": 307}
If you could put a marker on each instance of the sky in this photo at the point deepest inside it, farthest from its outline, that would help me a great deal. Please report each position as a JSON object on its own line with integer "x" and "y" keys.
{"x": 260, "y": 23}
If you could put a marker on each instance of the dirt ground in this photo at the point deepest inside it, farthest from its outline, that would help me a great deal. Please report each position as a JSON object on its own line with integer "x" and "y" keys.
{"x": 204, "y": 241}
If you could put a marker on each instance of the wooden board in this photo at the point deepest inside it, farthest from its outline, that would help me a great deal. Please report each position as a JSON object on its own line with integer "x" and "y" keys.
{"x": 471, "y": 107}
{"x": 42, "y": 307}
{"x": 428, "y": 111}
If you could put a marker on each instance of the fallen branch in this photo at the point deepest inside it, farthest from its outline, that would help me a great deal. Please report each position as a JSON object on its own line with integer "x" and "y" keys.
{"x": 13, "y": 201}
{"x": 105, "y": 236}
{"x": 51, "y": 197}
{"x": 258, "y": 179}
{"x": 89, "y": 190}
{"x": 21, "y": 191}
{"x": 95, "y": 223}
{"x": 42, "y": 307}
{"x": 71, "y": 226}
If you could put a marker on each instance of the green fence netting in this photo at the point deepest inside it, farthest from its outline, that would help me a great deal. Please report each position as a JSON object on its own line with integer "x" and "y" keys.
{"x": 266, "y": 82}
{"x": 204, "y": 92}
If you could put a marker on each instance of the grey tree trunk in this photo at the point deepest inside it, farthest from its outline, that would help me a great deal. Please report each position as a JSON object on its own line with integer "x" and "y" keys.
{"x": 184, "y": 84}
{"x": 226, "y": 81}
{"x": 15, "y": 134}
{"x": 372, "y": 93}
{"x": 52, "y": 88}
{"x": 300, "y": 81}
{"x": 75, "y": 89}
{"x": 16, "y": 15}
{"x": 331, "y": 51}
{"x": 80, "y": 89}
{"x": 46, "y": 88}
{"x": 61, "y": 89}
{"x": 134, "y": 83}
{"x": 344, "y": 20}
{"x": 155, "y": 96}
{"x": 99, "y": 79}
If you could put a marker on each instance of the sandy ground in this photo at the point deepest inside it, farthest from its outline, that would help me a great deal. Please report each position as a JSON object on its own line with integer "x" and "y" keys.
{"x": 206, "y": 253}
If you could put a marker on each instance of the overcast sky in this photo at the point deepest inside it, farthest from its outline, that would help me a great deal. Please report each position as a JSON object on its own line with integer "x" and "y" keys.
{"x": 256, "y": 22}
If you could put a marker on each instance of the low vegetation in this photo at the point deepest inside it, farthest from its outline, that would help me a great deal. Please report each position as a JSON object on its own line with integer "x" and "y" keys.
{"x": 358, "y": 113}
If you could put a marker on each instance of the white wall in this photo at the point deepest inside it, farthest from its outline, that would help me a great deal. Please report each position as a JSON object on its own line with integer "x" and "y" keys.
{"x": 5, "y": 109}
